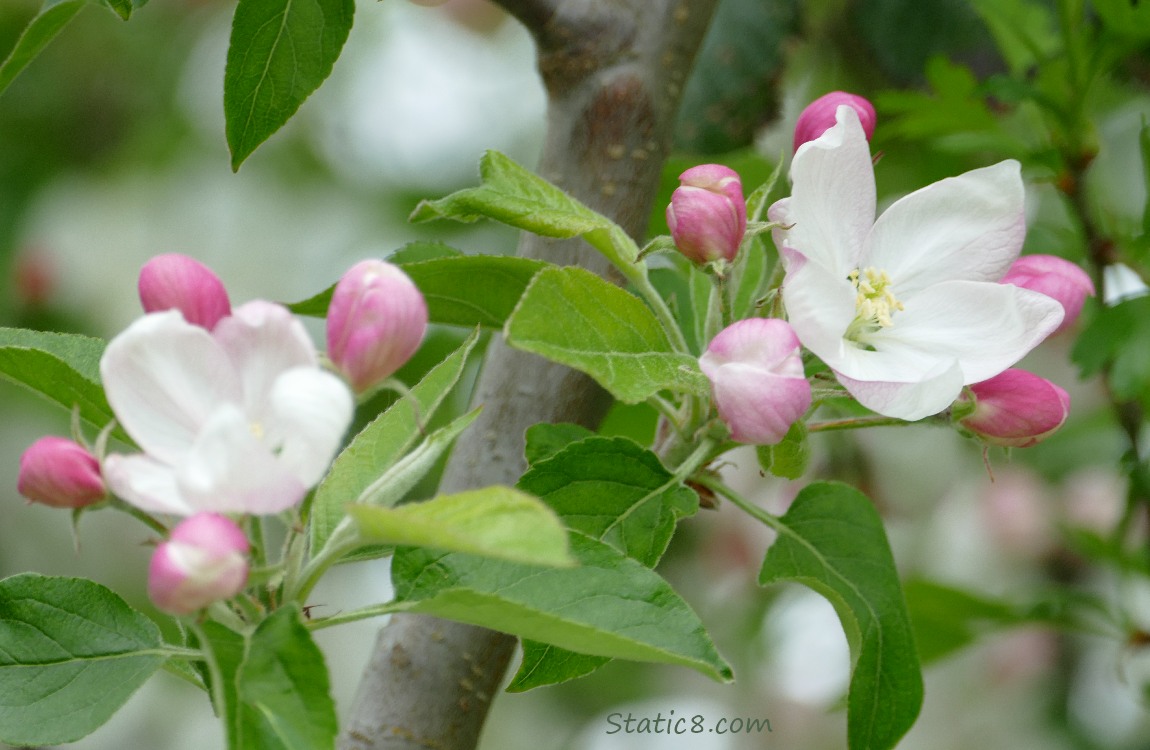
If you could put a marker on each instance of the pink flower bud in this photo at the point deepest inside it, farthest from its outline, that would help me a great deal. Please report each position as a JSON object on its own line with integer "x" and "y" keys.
{"x": 819, "y": 115}
{"x": 177, "y": 282}
{"x": 1060, "y": 279}
{"x": 203, "y": 561}
{"x": 1016, "y": 409}
{"x": 757, "y": 379}
{"x": 375, "y": 322}
{"x": 58, "y": 472}
{"x": 707, "y": 215}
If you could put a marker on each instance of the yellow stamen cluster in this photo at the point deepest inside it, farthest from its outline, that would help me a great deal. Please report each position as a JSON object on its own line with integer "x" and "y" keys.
{"x": 875, "y": 302}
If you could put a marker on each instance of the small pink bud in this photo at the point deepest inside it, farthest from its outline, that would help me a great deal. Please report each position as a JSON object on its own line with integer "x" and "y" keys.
{"x": 1016, "y": 409}
{"x": 819, "y": 115}
{"x": 375, "y": 322}
{"x": 757, "y": 379}
{"x": 203, "y": 561}
{"x": 177, "y": 282}
{"x": 58, "y": 472}
{"x": 1059, "y": 279}
{"x": 707, "y": 214}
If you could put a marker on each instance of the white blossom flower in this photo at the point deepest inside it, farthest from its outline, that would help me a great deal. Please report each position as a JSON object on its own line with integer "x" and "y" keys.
{"x": 906, "y": 310}
{"x": 240, "y": 419}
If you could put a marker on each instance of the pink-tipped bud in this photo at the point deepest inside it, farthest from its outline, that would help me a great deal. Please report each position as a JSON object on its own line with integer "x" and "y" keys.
{"x": 1016, "y": 409}
{"x": 203, "y": 561}
{"x": 177, "y": 282}
{"x": 707, "y": 214}
{"x": 375, "y": 322}
{"x": 819, "y": 115}
{"x": 61, "y": 473}
{"x": 1059, "y": 279}
{"x": 757, "y": 379}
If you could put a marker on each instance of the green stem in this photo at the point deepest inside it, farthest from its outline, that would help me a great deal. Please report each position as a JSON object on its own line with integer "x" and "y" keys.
{"x": 365, "y": 613}
{"x": 666, "y": 318}
{"x": 344, "y": 539}
{"x": 745, "y": 505}
{"x": 145, "y": 518}
{"x": 856, "y": 423}
{"x": 216, "y": 688}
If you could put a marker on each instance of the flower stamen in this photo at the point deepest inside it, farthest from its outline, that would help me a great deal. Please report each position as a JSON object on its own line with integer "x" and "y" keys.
{"x": 875, "y": 303}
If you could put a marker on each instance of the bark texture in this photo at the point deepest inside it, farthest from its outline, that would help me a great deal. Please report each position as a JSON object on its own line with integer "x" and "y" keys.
{"x": 614, "y": 71}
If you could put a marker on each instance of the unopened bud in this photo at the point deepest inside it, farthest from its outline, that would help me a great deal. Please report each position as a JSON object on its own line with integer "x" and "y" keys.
{"x": 177, "y": 282}
{"x": 1059, "y": 279}
{"x": 819, "y": 116}
{"x": 375, "y": 322}
{"x": 1016, "y": 409}
{"x": 757, "y": 379}
{"x": 61, "y": 473}
{"x": 707, "y": 215}
{"x": 203, "y": 561}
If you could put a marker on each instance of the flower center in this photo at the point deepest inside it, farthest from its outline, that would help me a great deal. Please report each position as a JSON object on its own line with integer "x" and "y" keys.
{"x": 875, "y": 303}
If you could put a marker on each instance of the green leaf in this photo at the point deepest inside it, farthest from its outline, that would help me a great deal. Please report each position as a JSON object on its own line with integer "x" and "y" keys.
{"x": 1118, "y": 338}
{"x": 497, "y": 522}
{"x": 544, "y": 664}
{"x": 790, "y": 457}
{"x": 71, "y": 653}
{"x": 832, "y": 541}
{"x": 733, "y": 88}
{"x": 283, "y": 689}
{"x": 1128, "y": 18}
{"x": 947, "y": 619}
{"x": 279, "y": 53}
{"x": 382, "y": 443}
{"x": 613, "y": 490}
{"x": 62, "y": 367}
{"x": 53, "y": 17}
{"x": 125, "y": 8}
{"x": 616, "y": 491}
{"x": 1025, "y": 33}
{"x": 545, "y": 440}
{"x": 460, "y": 290}
{"x": 572, "y": 316}
{"x": 608, "y": 606}
{"x": 511, "y": 194}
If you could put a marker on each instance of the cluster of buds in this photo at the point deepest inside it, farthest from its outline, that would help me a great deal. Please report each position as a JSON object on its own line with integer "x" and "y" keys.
{"x": 376, "y": 321}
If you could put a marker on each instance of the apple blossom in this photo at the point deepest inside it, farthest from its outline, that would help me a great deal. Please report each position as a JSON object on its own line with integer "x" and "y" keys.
{"x": 204, "y": 560}
{"x": 707, "y": 214}
{"x": 375, "y": 322}
{"x": 61, "y": 473}
{"x": 1056, "y": 278}
{"x": 757, "y": 379}
{"x": 818, "y": 116}
{"x": 240, "y": 419}
{"x": 906, "y": 309}
{"x": 1016, "y": 409}
{"x": 177, "y": 282}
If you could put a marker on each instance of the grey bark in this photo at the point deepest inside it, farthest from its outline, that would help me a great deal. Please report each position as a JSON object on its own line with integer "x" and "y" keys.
{"x": 614, "y": 72}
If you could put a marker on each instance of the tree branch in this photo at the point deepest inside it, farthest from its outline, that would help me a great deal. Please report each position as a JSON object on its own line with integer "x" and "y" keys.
{"x": 614, "y": 72}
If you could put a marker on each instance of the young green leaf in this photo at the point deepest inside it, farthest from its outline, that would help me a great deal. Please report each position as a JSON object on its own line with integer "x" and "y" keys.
{"x": 788, "y": 459}
{"x": 53, "y": 17}
{"x": 608, "y": 606}
{"x": 279, "y": 53}
{"x": 71, "y": 653}
{"x": 124, "y": 8}
{"x": 572, "y": 316}
{"x": 61, "y": 367}
{"x": 832, "y": 541}
{"x": 545, "y": 440}
{"x": 544, "y": 664}
{"x": 947, "y": 619}
{"x": 497, "y": 522}
{"x": 382, "y": 443}
{"x": 616, "y": 491}
{"x": 282, "y": 688}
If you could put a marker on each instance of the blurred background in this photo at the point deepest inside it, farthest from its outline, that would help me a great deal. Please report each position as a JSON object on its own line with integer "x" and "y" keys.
{"x": 1028, "y": 579}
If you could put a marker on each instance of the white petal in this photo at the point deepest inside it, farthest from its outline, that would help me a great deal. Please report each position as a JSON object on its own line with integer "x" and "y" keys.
{"x": 164, "y": 377}
{"x": 987, "y": 327}
{"x": 909, "y": 401}
{"x": 230, "y": 470}
{"x": 310, "y": 411}
{"x": 832, "y": 203}
{"x": 263, "y": 340}
{"x": 145, "y": 483}
{"x": 969, "y": 227}
{"x": 820, "y": 305}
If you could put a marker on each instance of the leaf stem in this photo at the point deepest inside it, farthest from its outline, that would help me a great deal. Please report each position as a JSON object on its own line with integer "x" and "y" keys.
{"x": 364, "y": 613}
{"x": 855, "y": 423}
{"x": 745, "y": 505}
